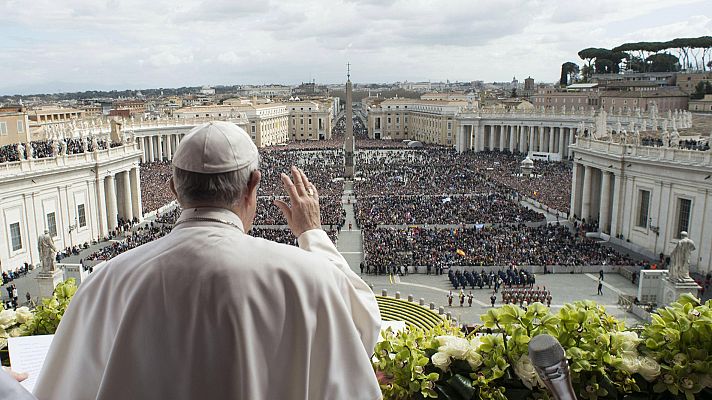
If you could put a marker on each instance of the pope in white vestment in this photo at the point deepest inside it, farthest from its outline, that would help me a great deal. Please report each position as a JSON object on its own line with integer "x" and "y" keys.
{"x": 209, "y": 312}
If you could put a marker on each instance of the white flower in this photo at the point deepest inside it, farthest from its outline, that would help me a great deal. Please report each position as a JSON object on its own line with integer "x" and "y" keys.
{"x": 626, "y": 342}
{"x": 679, "y": 358}
{"x": 23, "y": 315}
{"x": 15, "y": 332}
{"x": 525, "y": 371}
{"x": 454, "y": 346}
{"x": 441, "y": 360}
{"x": 648, "y": 368}
{"x": 630, "y": 364}
{"x": 7, "y": 318}
{"x": 474, "y": 359}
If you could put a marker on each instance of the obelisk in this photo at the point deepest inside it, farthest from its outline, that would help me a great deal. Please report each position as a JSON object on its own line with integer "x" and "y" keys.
{"x": 349, "y": 139}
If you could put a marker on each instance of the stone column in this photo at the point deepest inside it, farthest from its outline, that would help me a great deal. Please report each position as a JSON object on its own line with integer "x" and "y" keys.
{"x": 522, "y": 139}
{"x": 101, "y": 206}
{"x": 512, "y": 138}
{"x": 574, "y": 190}
{"x": 551, "y": 140}
{"x": 480, "y": 138}
{"x": 491, "y": 137}
{"x": 126, "y": 192}
{"x": 151, "y": 153}
{"x": 530, "y": 144}
{"x": 169, "y": 147}
{"x": 111, "y": 200}
{"x": 136, "y": 193}
{"x": 605, "y": 214}
{"x": 541, "y": 138}
{"x": 616, "y": 204}
{"x": 502, "y": 136}
{"x": 561, "y": 142}
{"x": 586, "y": 194}
{"x": 572, "y": 136}
{"x": 142, "y": 143}
{"x": 161, "y": 151}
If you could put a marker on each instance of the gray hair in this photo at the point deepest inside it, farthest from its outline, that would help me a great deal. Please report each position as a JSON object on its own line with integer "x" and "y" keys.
{"x": 221, "y": 190}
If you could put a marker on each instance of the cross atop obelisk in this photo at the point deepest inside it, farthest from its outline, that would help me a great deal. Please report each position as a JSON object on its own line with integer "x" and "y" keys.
{"x": 349, "y": 135}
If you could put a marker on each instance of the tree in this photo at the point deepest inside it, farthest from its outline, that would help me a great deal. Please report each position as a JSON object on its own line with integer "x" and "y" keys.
{"x": 663, "y": 62}
{"x": 569, "y": 72}
{"x": 609, "y": 60}
{"x": 702, "y": 88}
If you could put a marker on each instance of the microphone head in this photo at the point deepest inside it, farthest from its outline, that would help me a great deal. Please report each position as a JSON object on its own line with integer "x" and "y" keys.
{"x": 545, "y": 351}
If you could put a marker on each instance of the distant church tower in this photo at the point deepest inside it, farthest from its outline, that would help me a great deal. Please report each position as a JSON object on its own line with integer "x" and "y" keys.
{"x": 349, "y": 139}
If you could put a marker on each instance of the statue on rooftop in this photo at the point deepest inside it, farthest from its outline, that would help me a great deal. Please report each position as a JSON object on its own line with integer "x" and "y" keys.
{"x": 636, "y": 137}
{"x": 675, "y": 139}
{"x": 21, "y": 151}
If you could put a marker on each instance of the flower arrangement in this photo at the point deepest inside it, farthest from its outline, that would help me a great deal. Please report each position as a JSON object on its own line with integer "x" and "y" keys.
{"x": 667, "y": 359}
{"x": 43, "y": 320}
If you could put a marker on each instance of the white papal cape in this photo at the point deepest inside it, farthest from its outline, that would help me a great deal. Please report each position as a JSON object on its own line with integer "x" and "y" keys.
{"x": 208, "y": 312}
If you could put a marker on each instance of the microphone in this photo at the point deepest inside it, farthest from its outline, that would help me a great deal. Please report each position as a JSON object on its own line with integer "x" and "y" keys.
{"x": 549, "y": 360}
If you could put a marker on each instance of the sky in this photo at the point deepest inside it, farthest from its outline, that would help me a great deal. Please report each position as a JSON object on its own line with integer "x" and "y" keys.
{"x": 71, "y": 45}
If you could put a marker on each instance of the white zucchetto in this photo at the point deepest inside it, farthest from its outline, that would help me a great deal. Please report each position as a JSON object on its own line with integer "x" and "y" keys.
{"x": 214, "y": 148}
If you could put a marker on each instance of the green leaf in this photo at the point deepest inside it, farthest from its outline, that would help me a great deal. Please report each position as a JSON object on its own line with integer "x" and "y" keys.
{"x": 463, "y": 386}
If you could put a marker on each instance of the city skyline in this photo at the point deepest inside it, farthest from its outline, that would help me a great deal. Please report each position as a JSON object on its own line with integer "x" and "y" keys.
{"x": 68, "y": 46}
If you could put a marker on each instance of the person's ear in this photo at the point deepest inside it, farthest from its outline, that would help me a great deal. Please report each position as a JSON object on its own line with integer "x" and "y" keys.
{"x": 172, "y": 187}
{"x": 254, "y": 183}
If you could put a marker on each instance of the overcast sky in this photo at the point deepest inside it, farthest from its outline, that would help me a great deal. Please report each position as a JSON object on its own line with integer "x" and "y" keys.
{"x": 69, "y": 45}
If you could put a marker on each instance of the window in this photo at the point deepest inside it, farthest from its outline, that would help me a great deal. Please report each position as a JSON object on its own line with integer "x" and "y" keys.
{"x": 683, "y": 216}
{"x": 643, "y": 208}
{"x": 81, "y": 216}
{"x": 15, "y": 236}
{"x": 3, "y": 128}
{"x": 52, "y": 224}
{"x": 20, "y": 127}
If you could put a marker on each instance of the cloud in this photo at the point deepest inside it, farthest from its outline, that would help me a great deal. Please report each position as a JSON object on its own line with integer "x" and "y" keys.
{"x": 165, "y": 43}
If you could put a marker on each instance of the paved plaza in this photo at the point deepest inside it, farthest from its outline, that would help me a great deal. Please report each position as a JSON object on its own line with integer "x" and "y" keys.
{"x": 565, "y": 288}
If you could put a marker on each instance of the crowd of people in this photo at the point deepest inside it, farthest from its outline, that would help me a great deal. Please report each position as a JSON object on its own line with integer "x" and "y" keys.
{"x": 550, "y": 185}
{"x": 484, "y": 208}
{"x": 325, "y": 169}
{"x": 688, "y": 144}
{"x": 332, "y": 213}
{"x": 504, "y": 245}
{"x": 525, "y": 296}
{"x": 510, "y": 277}
{"x": 11, "y": 275}
{"x": 284, "y": 235}
{"x": 50, "y": 148}
{"x": 137, "y": 236}
{"x": 155, "y": 192}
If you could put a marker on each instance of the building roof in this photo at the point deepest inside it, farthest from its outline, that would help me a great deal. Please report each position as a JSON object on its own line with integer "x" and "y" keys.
{"x": 582, "y": 86}
{"x": 655, "y": 93}
{"x": 623, "y": 84}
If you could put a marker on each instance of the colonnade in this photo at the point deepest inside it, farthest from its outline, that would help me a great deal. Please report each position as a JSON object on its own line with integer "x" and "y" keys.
{"x": 159, "y": 147}
{"x": 119, "y": 197}
{"x": 596, "y": 196}
{"x": 521, "y": 138}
